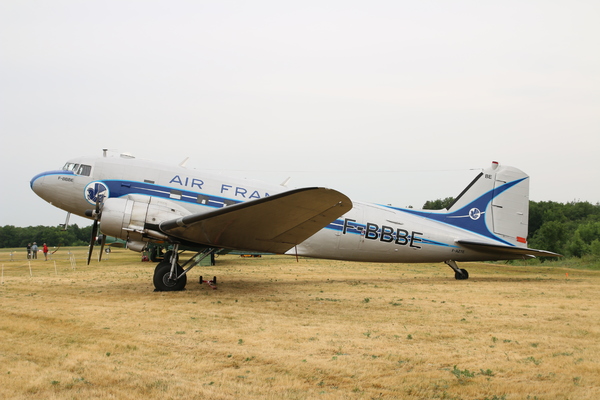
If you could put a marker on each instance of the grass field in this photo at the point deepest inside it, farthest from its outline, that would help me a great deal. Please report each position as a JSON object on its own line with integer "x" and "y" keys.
{"x": 281, "y": 329}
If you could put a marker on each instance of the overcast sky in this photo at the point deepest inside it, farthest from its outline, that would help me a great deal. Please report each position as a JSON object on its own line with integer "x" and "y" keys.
{"x": 394, "y": 102}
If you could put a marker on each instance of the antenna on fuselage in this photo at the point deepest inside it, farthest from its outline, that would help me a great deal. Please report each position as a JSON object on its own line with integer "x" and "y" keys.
{"x": 285, "y": 183}
{"x": 104, "y": 151}
{"x": 182, "y": 164}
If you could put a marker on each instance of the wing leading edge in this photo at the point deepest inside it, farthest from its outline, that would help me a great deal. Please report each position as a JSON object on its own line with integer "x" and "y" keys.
{"x": 272, "y": 224}
{"x": 502, "y": 249}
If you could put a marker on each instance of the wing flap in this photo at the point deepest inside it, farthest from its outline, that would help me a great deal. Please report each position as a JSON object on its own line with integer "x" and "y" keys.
{"x": 272, "y": 224}
{"x": 502, "y": 249}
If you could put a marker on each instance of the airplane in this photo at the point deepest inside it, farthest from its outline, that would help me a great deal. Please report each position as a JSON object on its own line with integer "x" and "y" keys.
{"x": 144, "y": 202}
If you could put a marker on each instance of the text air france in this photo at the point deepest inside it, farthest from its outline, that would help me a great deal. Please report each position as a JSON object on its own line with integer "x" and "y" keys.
{"x": 225, "y": 189}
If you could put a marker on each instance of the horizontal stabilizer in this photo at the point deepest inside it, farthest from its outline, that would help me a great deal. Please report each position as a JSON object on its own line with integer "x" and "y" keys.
{"x": 272, "y": 224}
{"x": 502, "y": 249}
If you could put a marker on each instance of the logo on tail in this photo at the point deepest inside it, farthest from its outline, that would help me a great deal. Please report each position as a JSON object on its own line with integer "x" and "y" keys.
{"x": 474, "y": 214}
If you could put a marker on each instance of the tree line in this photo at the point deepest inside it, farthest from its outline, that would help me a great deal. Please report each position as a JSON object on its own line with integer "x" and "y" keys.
{"x": 11, "y": 236}
{"x": 571, "y": 229}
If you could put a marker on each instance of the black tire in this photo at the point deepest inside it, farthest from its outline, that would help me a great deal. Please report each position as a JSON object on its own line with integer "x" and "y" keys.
{"x": 162, "y": 283}
{"x": 462, "y": 275}
{"x": 214, "y": 280}
{"x": 161, "y": 264}
{"x": 166, "y": 260}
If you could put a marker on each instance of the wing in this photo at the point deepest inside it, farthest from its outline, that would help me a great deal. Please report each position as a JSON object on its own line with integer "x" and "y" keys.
{"x": 272, "y": 224}
{"x": 500, "y": 249}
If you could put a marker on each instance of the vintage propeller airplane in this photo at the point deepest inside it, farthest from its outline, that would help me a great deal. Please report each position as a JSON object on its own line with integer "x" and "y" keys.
{"x": 144, "y": 202}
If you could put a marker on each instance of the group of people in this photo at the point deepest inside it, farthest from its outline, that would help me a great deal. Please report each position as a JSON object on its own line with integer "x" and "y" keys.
{"x": 32, "y": 251}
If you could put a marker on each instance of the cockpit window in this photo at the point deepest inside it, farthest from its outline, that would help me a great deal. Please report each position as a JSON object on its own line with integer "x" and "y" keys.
{"x": 79, "y": 169}
{"x": 84, "y": 170}
{"x": 71, "y": 167}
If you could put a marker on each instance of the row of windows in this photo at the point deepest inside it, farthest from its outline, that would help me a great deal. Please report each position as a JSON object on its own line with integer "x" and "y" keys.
{"x": 202, "y": 199}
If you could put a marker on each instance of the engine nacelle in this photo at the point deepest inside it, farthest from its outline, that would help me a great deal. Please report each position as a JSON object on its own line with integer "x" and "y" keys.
{"x": 129, "y": 217}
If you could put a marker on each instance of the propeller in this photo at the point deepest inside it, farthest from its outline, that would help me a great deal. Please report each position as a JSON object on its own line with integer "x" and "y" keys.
{"x": 96, "y": 213}
{"x": 102, "y": 243}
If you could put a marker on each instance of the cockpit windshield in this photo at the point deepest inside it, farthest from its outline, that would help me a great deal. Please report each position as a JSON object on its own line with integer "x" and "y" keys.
{"x": 78, "y": 169}
{"x": 70, "y": 167}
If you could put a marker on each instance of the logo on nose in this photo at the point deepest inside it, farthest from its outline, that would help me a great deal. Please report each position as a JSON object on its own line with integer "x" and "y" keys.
{"x": 96, "y": 191}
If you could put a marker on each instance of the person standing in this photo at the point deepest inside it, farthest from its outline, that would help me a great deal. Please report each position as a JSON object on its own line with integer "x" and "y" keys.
{"x": 34, "y": 250}
{"x": 45, "y": 250}
{"x": 29, "y": 251}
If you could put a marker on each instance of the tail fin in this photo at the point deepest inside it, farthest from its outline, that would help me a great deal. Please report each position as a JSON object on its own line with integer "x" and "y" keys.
{"x": 495, "y": 205}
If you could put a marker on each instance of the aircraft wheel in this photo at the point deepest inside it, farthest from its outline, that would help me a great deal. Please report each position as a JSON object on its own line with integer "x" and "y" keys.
{"x": 463, "y": 275}
{"x": 160, "y": 265}
{"x": 214, "y": 280}
{"x": 163, "y": 283}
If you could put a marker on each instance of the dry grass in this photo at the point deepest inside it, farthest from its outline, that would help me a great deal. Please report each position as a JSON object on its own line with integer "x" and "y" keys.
{"x": 278, "y": 329}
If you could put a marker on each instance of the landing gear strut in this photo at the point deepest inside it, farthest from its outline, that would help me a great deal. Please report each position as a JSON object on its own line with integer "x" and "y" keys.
{"x": 170, "y": 276}
{"x": 459, "y": 273}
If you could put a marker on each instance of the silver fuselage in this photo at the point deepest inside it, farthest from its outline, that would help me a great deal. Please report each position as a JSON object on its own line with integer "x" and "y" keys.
{"x": 369, "y": 232}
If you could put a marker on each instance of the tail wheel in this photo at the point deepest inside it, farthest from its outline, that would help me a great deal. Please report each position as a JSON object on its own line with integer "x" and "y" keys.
{"x": 462, "y": 275}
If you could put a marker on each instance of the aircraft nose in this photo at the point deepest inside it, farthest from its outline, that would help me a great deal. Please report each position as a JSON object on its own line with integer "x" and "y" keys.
{"x": 42, "y": 180}
{"x": 36, "y": 182}
{"x": 59, "y": 189}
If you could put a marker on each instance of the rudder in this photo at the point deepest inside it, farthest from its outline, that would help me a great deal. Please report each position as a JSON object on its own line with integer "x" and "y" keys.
{"x": 510, "y": 208}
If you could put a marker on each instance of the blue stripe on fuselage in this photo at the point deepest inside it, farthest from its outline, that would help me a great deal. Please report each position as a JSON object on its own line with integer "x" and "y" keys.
{"x": 120, "y": 188}
{"x": 459, "y": 218}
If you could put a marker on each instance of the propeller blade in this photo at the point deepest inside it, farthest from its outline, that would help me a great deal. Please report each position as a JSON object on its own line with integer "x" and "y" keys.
{"x": 96, "y": 216}
{"x": 93, "y": 239}
{"x": 98, "y": 202}
{"x": 102, "y": 243}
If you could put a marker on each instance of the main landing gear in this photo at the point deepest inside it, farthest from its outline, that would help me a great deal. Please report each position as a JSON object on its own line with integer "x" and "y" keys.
{"x": 170, "y": 276}
{"x": 459, "y": 273}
